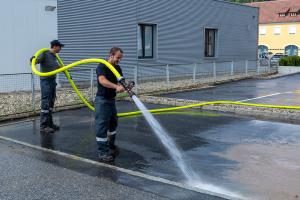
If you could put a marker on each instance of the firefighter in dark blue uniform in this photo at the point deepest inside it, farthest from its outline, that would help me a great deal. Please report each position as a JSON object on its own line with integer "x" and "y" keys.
{"x": 48, "y": 62}
{"x": 106, "y": 120}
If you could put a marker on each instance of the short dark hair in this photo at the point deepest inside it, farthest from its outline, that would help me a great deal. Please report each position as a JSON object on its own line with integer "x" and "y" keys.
{"x": 114, "y": 50}
{"x": 56, "y": 43}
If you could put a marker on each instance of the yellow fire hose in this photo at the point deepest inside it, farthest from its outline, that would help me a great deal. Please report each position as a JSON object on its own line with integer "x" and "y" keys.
{"x": 64, "y": 69}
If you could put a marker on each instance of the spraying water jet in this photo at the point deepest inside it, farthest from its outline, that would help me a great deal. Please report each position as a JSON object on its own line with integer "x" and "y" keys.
{"x": 192, "y": 178}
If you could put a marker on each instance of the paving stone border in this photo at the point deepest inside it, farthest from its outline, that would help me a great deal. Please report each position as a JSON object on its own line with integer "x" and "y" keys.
{"x": 19, "y": 105}
{"x": 286, "y": 115}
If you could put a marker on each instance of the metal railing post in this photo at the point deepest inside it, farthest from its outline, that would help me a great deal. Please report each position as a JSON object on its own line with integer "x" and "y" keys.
{"x": 258, "y": 66}
{"x": 135, "y": 78}
{"x": 92, "y": 84}
{"x": 231, "y": 69}
{"x": 57, "y": 80}
{"x": 33, "y": 92}
{"x": 269, "y": 64}
{"x": 246, "y": 65}
{"x": 194, "y": 72}
{"x": 215, "y": 71}
{"x": 168, "y": 75}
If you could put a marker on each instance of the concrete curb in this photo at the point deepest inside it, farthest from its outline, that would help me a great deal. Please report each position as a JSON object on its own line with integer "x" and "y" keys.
{"x": 278, "y": 76}
{"x": 286, "y": 115}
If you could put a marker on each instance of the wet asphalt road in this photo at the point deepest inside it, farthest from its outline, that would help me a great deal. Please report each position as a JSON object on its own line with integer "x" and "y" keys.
{"x": 230, "y": 153}
{"x": 279, "y": 91}
{"x": 26, "y": 175}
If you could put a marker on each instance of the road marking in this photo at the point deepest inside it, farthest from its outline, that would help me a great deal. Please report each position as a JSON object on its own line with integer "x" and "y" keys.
{"x": 127, "y": 171}
{"x": 270, "y": 95}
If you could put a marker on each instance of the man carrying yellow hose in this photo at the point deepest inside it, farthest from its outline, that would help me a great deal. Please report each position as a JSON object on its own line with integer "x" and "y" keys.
{"x": 48, "y": 62}
{"x": 106, "y": 120}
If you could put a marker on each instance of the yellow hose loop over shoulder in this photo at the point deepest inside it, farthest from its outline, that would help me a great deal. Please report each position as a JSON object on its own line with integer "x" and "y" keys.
{"x": 84, "y": 61}
{"x": 61, "y": 64}
{"x": 64, "y": 69}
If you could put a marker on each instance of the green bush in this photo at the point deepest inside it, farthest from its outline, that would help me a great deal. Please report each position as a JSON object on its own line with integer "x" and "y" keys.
{"x": 290, "y": 61}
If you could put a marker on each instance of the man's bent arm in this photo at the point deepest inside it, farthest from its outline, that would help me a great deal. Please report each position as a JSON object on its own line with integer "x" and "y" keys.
{"x": 106, "y": 83}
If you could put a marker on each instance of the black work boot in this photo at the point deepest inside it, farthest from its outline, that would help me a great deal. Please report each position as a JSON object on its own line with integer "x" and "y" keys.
{"x": 104, "y": 152}
{"x": 55, "y": 127}
{"x": 114, "y": 148}
{"x": 47, "y": 130}
{"x": 52, "y": 125}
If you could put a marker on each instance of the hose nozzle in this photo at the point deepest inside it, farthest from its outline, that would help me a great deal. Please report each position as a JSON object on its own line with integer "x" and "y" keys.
{"x": 128, "y": 86}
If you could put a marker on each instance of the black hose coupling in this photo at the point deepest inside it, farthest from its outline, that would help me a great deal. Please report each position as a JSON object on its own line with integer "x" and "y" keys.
{"x": 128, "y": 86}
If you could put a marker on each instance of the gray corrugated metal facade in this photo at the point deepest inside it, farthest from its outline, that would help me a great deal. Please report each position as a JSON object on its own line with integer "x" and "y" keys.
{"x": 90, "y": 28}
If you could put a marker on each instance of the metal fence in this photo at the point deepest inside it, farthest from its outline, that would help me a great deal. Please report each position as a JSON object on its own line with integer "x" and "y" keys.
{"x": 20, "y": 93}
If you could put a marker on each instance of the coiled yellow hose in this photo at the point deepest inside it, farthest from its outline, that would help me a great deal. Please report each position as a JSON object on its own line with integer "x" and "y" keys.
{"x": 64, "y": 69}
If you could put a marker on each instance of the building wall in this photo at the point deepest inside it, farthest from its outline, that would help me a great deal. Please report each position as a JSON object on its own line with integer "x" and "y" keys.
{"x": 25, "y": 28}
{"x": 277, "y": 43}
{"x": 89, "y": 28}
{"x": 181, "y": 27}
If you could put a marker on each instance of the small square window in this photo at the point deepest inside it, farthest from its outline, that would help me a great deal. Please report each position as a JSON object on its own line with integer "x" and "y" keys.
{"x": 276, "y": 30}
{"x": 292, "y": 30}
{"x": 262, "y": 30}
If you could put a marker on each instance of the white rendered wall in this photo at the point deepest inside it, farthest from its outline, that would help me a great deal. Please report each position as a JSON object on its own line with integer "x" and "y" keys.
{"x": 25, "y": 28}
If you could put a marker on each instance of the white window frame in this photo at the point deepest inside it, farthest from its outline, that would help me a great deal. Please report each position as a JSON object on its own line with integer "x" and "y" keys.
{"x": 293, "y": 14}
{"x": 277, "y": 30}
{"x": 262, "y": 30}
{"x": 154, "y": 41}
{"x": 292, "y": 30}
{"x": 216, "y": 39}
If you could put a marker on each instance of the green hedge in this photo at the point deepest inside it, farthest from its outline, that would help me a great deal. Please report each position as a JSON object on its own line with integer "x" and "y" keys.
{"x": 290, "y": 61}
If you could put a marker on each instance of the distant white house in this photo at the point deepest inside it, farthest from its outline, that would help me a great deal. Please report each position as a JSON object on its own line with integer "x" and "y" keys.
{"x": 26, "y": 26}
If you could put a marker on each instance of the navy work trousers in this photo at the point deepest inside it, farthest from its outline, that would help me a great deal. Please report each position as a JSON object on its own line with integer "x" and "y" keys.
{"x": 48, "y": 90}
{"x": 106, "y": 122}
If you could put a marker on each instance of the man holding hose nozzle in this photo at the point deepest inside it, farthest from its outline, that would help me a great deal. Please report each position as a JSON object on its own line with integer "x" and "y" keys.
{"x": 106, "y": 120}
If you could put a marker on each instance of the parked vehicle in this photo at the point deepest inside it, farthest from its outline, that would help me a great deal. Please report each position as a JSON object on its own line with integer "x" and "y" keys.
{"x": 275, "y": 59}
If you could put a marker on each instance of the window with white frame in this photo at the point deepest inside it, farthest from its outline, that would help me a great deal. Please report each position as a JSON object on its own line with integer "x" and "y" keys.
{"x": 210, "y": 42}
{"x": 292, "y": 30}
{"x": 262, "y": 30}
{"x": 276, "y": 30}
{"x": 145, "y": 40}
